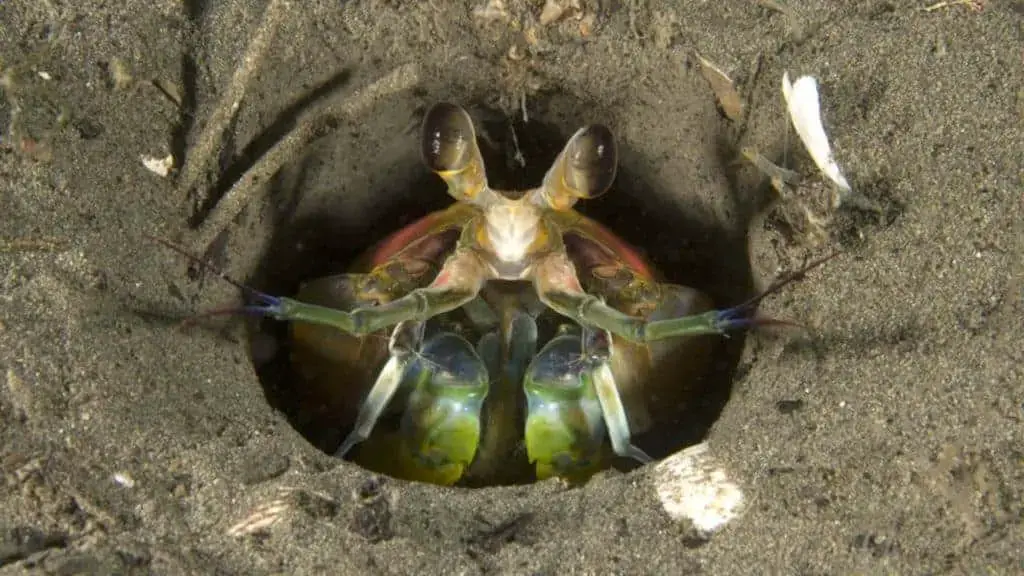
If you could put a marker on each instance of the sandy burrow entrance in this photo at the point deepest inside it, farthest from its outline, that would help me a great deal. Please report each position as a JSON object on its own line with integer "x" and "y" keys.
{"x": 887, "y": 440}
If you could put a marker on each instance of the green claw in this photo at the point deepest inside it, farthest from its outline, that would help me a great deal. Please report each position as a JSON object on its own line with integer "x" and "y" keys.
{"x": 441, "y": 424}
{"x": 565, "y": 428}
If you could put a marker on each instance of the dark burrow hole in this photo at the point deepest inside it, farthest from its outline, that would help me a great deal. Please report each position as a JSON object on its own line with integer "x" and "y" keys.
{"x": 687, "y": 249}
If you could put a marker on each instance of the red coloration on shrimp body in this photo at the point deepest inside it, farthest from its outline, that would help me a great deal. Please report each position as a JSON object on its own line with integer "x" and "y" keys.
{"x": 399, "y": 240}
{"x": 433, "y": 222}
{"x": 441, "y": 280}
{"x": 633, "y": 260}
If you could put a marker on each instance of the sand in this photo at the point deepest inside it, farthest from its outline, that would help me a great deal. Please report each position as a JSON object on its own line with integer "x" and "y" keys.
{"x": 887, "y": 438}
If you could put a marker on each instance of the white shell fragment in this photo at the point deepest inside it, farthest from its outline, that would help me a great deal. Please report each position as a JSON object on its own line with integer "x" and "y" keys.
{"x": 693, "y": 486}
{"x": 159, "y": 166}
{"x": 262, "y": 518}
{"x": 805, "y": 112}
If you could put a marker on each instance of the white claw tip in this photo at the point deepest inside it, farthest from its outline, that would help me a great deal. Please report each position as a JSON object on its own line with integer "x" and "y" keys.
{"x": 693, "y": 486}
{"x": 805, "y": 112}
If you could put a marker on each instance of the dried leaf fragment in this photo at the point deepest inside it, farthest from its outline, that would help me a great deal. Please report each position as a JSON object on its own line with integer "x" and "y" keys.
{"x": 587, "y": 24}
{"x": 261, "y": 518}
{"x": 21, "y": 397}
{"x": 729, "y": 100}
{"x": 776, "y": 6}
{"x": 169, "y": 90}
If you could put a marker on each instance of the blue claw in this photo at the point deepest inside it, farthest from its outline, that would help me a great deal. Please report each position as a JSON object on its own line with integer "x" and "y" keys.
{"x": 732, "y": 319}
{"x": 266, "y": 310}
{"x": 265, "y": 304}
{"x": 736, "y": 317}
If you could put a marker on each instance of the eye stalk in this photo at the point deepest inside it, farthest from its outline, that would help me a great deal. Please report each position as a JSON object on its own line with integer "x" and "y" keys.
{"x": 585, "y": 169}
{"x": 448, "y": 146}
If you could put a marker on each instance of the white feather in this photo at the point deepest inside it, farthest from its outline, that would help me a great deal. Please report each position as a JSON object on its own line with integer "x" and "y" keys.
{"x": 805, "y": 112}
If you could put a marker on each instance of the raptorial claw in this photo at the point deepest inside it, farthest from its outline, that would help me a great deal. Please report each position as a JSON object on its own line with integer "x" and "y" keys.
{"x": 441, "y": 424}
{"x": 573, "y": 403}
{"x": 564, "y": 427}
{"x": 559, "y": 290}
{"x": 440, "y": 427}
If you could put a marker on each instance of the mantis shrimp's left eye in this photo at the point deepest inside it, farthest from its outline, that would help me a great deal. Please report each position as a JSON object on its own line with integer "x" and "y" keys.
{"x": 448, "y": 138}
{"x": 448, "y": 146}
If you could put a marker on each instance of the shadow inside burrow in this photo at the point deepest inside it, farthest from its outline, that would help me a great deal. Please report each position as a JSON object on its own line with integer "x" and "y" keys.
{"x": 686, "y": 247}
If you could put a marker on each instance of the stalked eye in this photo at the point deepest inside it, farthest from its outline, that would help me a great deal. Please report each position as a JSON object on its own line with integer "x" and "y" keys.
{"x": 448, "y": 147}
{"x": 585, "y": 168}
{"x": 592, "y": 161}
{"x": 448, "y": 138}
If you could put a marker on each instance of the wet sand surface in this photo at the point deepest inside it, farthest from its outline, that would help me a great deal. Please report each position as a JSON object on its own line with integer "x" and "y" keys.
{"x": 887, "y": 438}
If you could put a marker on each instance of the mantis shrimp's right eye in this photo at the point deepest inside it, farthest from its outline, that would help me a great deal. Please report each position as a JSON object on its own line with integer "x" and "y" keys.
{"x": 448, "y": 138}
{"x": 585, "y": 168}
{"x": 592, "y": 159}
